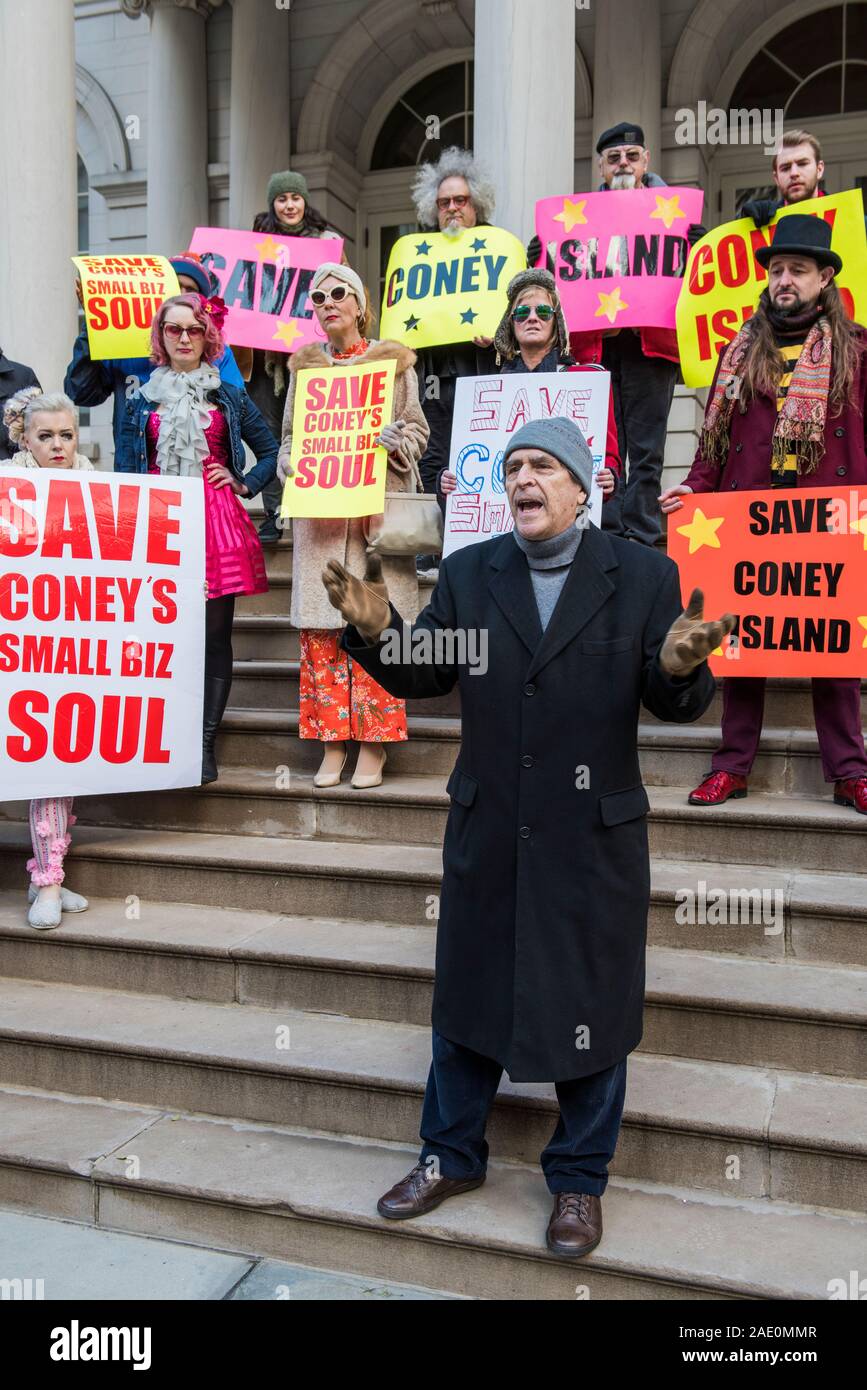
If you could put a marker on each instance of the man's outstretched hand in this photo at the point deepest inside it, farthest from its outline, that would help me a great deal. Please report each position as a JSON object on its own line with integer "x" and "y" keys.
{"x": 363, "y": 602}
{"x": 690, "y": 639}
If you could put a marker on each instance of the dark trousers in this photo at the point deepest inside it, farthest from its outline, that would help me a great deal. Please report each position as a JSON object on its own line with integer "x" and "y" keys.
{"x": 642, "y": 388}
{"x": 460, "y": 1092}
{"x": 836, "y": 709}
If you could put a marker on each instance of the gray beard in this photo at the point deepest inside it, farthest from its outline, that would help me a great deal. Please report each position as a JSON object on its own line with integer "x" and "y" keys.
{"x": 624, "y": 181}
{"x": 453, "y": 229}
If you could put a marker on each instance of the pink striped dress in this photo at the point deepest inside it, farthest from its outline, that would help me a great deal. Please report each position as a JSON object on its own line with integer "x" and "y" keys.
{"x": 234, "y": 563}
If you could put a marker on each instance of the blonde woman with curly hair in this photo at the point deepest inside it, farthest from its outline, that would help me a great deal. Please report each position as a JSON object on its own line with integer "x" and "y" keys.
{"x": 45, "y": 428}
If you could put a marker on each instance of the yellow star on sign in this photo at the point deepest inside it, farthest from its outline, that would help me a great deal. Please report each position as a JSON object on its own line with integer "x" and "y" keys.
{"x": 668, "y": 210}
{"x": 610, "y": 304}
{"x": 572, "y": 214}
{"x": 288, "y": 332}
{"x": 861, "y": 527}
{"x": 702, "y": 530}
{"x": 269, "y": 249}
{"x": 863, "y": 622}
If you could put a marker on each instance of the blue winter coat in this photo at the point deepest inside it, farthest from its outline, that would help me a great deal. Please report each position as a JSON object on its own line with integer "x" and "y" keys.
{"x": 246, "y": 426}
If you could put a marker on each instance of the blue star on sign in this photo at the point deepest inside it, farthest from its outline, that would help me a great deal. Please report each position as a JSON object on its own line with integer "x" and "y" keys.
{"x": 479, "y": 244}
{"x": 468, "y": 316}
{"x": 422, "y": 248}
{"x": 410, "y": 322}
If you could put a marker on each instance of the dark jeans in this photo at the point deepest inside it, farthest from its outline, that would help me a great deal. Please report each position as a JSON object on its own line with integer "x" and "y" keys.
{"x": 642, "y": 388}
{"x": 460, "y": 1092}
{"x": 837, "y": 712}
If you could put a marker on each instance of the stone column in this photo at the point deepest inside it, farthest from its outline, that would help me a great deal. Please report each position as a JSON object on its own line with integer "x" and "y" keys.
{"x": 177, "y": 126}
{"x": 627, "y": 71}
{"x": 524, "y": 104}
{"x": 259, "y": 131}
{"x": 38, "y": 186}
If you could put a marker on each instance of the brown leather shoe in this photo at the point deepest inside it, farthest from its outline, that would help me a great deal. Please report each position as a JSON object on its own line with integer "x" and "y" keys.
{"x": 575, "y": 1227}
{"x": 419, "y": 1192}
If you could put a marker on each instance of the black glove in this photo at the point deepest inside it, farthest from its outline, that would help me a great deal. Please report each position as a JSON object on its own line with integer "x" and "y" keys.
{"x": 694, "y": 232}
{"x": 534, "y": 251}
{"x": 761, "y": 210}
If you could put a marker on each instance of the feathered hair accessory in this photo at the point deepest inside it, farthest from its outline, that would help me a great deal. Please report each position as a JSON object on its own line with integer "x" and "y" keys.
{"x": 13, "y": 414}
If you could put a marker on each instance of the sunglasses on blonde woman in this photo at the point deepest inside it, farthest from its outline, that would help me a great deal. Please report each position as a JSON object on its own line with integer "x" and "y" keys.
{"x": 523, "y": 312}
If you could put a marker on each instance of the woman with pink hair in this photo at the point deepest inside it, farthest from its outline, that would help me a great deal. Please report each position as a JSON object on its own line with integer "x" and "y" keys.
{"x": 186, "y": 422}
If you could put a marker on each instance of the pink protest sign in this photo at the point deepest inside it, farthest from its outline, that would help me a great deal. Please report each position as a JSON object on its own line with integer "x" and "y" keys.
{"x": 619, "y": 256}
{"x": 265, "y": 280}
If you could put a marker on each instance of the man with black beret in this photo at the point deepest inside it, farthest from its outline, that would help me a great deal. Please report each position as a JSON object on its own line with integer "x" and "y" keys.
{"x": 643, "y": 362}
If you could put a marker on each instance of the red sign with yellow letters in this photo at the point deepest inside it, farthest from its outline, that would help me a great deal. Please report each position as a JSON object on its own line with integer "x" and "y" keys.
{"x": 791, "y": 564}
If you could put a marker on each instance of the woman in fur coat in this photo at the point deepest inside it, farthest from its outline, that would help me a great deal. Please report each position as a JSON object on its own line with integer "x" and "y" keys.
{"x": 339, "y": 701}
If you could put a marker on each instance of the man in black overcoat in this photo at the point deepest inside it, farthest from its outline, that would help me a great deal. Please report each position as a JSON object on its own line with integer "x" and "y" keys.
{"x": 546, "y": 875}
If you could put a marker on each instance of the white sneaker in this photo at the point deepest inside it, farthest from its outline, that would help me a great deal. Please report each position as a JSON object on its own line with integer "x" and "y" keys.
{"x": 69, "y": 901}
{"x": 44, "y": 915}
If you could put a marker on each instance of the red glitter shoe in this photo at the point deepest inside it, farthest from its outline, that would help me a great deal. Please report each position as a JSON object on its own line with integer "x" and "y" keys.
{"x": 852, "y": 791}
{"x": 718, "y": 787}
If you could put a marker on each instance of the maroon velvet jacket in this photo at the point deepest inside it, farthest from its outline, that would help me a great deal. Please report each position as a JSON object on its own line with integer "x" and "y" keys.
{"x": 748, "y": 466}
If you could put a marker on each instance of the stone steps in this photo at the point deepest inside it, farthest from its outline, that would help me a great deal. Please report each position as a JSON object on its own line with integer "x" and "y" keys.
{"x": 267, "y": 773}
{"x": 824, "y": 917}
{"x": 797, "y": 1136}
{"x": 310, "y": 1197}
{"x": 718, "y": 1008}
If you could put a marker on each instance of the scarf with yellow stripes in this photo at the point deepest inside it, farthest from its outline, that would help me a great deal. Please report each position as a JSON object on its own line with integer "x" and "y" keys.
{"x": 800, "y": 425}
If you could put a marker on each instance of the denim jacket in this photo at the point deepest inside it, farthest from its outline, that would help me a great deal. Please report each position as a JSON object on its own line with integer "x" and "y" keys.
{"x": 246, "y": 426}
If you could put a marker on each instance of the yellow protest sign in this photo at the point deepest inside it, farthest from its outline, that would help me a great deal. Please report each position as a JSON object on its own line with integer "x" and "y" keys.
{"x": 723, "y": 279}
{"x": 120, "y": 295}
{"x": 339, "y": 468}
{"x": 449, "y": 289}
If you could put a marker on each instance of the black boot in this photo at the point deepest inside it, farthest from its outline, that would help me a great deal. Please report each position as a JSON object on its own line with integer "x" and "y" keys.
{"x": 216, "y": 698}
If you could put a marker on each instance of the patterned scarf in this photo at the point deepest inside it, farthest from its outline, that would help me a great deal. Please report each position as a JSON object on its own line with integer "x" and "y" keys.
{"x": 800, "y": 425}
{"x": 182, "y": 447}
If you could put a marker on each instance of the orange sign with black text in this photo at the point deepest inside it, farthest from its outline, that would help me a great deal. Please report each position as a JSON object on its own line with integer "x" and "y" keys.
{"x": 791, "y": 564}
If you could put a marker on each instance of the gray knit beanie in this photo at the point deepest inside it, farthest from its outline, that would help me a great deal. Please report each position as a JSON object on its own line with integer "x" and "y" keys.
{"x": 563, "y": 439}
{"x": 286, "y": 182}
{"x": 505, "y": 341}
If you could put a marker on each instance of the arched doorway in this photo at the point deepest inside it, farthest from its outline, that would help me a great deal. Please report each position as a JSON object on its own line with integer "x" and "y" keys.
{"x": 409, "y": 135}
{"x": 815, "y": 71}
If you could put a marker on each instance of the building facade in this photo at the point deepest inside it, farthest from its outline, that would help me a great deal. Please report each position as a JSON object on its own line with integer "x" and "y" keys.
{"x": 153, "y": 116}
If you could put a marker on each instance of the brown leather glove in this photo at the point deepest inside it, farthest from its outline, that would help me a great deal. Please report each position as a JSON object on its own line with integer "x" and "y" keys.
{"x": 363, "y": 602}
{"x": 690, "y": 639}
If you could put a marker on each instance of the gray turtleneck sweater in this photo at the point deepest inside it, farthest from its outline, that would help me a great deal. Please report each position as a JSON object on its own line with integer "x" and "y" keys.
{"x": 549, "y": 562}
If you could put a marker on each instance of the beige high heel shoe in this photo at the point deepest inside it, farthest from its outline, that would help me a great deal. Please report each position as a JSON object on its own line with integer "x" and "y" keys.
{"x": 328, "y": 776}
{"x": 372, "y": 779}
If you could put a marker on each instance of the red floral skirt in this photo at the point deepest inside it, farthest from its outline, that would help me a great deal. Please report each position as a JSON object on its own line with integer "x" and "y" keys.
{"x": 339, "y": 700}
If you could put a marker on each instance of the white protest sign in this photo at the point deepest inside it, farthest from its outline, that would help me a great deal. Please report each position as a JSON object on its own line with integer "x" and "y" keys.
{"x": 102, "y": 610}
{"x": 488, "y": 411}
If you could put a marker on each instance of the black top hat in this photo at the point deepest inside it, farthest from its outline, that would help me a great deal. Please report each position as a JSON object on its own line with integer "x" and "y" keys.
{"x": 801, "y": 234}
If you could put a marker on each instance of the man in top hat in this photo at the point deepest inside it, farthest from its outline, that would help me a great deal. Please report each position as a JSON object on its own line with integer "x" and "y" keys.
{"x": 546, "y": 876}
{"x": 807, "y": 431}
{"x": 643, "y": 362}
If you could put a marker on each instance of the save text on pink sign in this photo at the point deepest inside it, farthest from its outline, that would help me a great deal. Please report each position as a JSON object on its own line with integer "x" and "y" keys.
{"x": 619, "y": 255}
{"x": 265, "y": 281}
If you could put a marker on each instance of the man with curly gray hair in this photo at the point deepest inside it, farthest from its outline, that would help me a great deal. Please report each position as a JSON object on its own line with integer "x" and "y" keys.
{"x": 450, "y": 195}
{"x": 453, "y": 193}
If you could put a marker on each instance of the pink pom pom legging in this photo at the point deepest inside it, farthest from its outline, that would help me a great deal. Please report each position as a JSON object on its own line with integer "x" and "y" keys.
{"x": 50, "y": 818}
